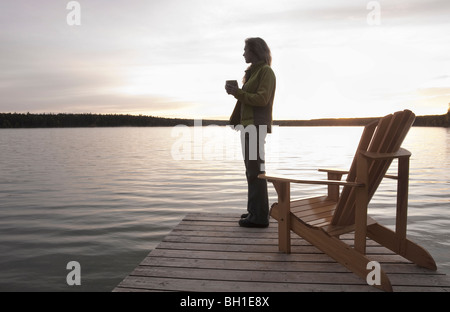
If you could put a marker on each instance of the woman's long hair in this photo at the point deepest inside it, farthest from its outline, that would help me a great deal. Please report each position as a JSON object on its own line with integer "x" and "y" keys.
{"x": 262, "y": 52}
{"x": 259, "y": 48}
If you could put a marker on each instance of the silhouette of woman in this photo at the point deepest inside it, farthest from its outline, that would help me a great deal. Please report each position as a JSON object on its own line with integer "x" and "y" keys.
{"x": 253, "y": 116}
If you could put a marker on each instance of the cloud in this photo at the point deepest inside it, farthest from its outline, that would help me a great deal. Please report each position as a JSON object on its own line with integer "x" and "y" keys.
{"x": 78, "y": 90}
{"x": 433, "y": 99}
{"x": 176, "y": 54}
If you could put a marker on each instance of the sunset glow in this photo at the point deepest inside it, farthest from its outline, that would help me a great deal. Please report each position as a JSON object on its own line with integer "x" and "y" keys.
{"x": 337, "y": 58}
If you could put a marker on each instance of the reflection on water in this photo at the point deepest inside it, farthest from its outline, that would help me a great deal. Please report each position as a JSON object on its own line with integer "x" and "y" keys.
{"x": 106, "y": 196}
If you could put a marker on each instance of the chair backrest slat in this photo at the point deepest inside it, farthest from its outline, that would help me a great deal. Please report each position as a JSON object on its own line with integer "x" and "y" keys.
{"x": 383, "y": 136}
{"x": 345, "y": 196}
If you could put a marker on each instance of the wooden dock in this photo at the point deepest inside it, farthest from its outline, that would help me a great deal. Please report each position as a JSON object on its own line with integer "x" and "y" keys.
{"x": 209, "y": 252}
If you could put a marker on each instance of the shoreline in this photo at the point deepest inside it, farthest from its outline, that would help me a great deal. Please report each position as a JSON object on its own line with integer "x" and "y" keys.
{"x": 65, "y": 120}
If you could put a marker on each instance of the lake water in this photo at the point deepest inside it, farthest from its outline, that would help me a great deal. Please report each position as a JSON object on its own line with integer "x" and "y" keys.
{"x": 105, "y": 197}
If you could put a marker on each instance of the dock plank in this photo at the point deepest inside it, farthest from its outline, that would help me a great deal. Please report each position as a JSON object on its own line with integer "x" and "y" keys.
{"x": 209, "y": 252}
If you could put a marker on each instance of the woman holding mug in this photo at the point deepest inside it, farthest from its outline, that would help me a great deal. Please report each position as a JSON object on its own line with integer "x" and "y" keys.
{"x": 253, "y": 114}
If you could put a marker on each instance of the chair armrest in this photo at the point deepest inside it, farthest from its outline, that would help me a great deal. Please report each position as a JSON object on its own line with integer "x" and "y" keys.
{"x": 336, "y": 175}
{"x": 334, "y": 171}
{"x": 400, "y": 153}
{"x": 280, "y": 178}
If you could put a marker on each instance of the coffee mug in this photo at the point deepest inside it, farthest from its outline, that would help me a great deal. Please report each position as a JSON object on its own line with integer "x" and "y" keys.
{"x": 232, "y": 83}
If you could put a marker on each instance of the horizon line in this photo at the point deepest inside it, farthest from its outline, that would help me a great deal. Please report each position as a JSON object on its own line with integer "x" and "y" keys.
{"x": 208, "y": 118}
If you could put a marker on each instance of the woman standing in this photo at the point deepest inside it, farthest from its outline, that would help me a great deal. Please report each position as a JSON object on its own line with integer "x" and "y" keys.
{"x": 253, "y": 111}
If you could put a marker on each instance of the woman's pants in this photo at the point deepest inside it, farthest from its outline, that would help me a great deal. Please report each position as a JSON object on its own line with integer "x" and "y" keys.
{"x": 253, "y": 139}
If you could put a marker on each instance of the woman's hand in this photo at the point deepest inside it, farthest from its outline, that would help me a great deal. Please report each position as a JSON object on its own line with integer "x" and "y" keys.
{"x": 231, "y": 89}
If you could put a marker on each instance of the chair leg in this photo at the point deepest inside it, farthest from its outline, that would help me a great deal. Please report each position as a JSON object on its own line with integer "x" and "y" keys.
{"x": 284, "y": 214}
{"x": 402, "y": 246}
{"x": 402, "y": 201}
{"x": 339, "y": 251}
{"x": 283, "y": 208}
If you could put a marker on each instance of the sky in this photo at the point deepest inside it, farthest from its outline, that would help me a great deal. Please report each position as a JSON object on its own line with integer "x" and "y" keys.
{"x": 332, "y": 59}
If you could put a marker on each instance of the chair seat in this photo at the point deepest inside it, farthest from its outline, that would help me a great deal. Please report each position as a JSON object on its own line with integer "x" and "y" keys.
{"x": 315, "y": 211}
{"x": 318, "y": 212}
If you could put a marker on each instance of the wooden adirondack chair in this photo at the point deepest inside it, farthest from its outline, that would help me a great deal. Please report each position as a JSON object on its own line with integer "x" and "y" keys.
{"x": 321, "y": 220}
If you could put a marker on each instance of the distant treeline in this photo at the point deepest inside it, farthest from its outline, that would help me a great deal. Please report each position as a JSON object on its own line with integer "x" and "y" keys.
{"x": 421, "y": 121}
{"x": 20, "y": 120}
